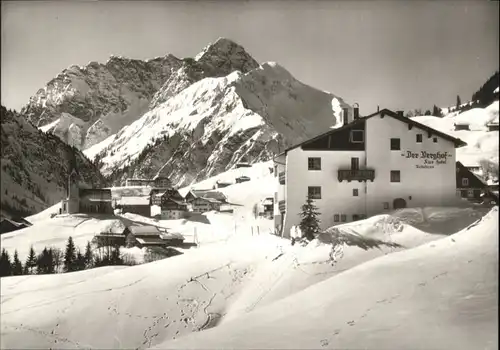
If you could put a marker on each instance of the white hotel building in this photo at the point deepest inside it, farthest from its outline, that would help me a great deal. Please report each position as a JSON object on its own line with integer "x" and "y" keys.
{"x": 368, "y": 166}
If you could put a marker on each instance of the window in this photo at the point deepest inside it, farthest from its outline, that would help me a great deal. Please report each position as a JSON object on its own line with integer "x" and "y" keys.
{"x": 357, "y": 136}
{"x": 314, "y": 163}
{"x": 435, "y": 139}
{"x": 395, "y": 144}
{"x": 465, "y": 181}
{"x": 386, "y": 205}
{"x": 314, "y": 192}
{"x": 355, "y": 217}
{"x": 470, "y": 193}
{"x": 275, "y": 171}
{"x": 343, "y": 218}
{"x": 419, "y": 138}
{"x": 395, "y": 176}
{"x": 336, "y": 218}
{"x": 355, "y": 192}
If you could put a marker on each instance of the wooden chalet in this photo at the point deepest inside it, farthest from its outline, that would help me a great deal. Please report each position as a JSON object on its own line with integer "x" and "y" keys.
{"x": 143, "y": 236}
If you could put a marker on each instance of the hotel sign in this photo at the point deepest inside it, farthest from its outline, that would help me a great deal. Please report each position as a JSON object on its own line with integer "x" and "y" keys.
{"x": 428, "y": 159}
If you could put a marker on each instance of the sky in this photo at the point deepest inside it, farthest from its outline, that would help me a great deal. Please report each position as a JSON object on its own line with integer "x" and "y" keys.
{"x": 393, "y": 54}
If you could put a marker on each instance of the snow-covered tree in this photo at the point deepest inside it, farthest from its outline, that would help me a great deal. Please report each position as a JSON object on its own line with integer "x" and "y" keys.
{"x": 309, "y": 225}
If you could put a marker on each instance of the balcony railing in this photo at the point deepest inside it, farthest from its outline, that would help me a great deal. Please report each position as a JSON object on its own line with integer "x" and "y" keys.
{"x": 282, "y": 206}
{"x": 282, "y": 178}
{"x": 356, "y": 175}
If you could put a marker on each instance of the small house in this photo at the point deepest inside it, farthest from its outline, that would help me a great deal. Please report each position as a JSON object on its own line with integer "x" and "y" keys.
{"x": 493, "y": 126}
{"x": 242, "y": 179}
{"x": 143, "y": 236}
{"x": 173, "y": 209}
{"x": 204, "y": 204}
{"x": 469, "y": 185}
{"x": 160, "y": 197}
{"x": 95, "y": 201}
{"x": 136, "y": 205}
{"x": 220, "y": 184}
{"x": 243, "y": 165}
{"x": 8, "y": 225}
{"x": 461, "y": 126}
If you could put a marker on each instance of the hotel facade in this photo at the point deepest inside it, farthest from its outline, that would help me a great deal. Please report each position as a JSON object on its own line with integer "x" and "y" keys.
{"x": 369, "y": 165}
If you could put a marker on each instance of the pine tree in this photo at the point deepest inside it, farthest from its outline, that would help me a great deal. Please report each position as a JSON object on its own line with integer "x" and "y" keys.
{"x": 30, "y": 262}
{"x": 41, "y": 262}
{"x": 309, "y": 225}
{"x": 69, "y": 256}
{"x": 459, "y": 102}
{"x": 116, "y": 258}
{"x": 17, "y": 265}
{"x": 436, "y": 111}
{"x": 427, "y": 112}
{"x": 79, "y": 261}
{"x": 88, "y": 256}
{"x": 5, "y": 264}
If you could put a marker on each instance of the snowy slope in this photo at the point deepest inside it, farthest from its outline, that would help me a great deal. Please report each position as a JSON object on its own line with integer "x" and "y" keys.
{"x": 233, "y": 275}
{"x": 481, "y": 143}
{"x": 441, "y": 295}
{"x": 216, "y": 122}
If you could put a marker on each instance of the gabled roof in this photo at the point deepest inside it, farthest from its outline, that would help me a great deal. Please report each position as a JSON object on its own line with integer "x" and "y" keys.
{"x": 147, "y": 230}
{"x": 474, "y": 176}
{"x": 384, "y": 112}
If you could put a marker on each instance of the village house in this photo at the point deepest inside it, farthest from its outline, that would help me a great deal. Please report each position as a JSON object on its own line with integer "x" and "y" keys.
{"x": 143, "y": 236}
{"x": 135, "y": 205}
{"x": 469, "y": 185}
{"x": 368, "y": 165}
{"x": 171, "y": 203}
{"x": 201, "y": 201}
{"x": 86, "y": 200}
{"x": 493, "y": 126}
{"x": 14, "y": 224}
{"x": 461, "y": 126}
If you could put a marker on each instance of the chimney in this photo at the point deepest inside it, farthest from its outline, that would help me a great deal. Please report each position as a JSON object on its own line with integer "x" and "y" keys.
{"x": 401, "y": 114}
{"x": 378, "y": 109}
{"x": 345, "y": 116}
{"x": 356, "y": 111}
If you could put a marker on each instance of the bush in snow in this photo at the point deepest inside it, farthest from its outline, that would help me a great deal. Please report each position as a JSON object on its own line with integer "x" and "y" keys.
{"x": 490, "y": 169}
{"x": 309, "y": 225}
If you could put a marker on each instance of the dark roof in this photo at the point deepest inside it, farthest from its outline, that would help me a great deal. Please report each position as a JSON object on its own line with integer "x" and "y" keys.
{"x": 384, "y": 112}
{"x": 476, "y": 180}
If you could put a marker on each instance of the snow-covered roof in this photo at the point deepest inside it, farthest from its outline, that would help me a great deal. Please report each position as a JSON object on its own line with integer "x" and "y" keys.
{"x": 147, "y": 230}
{"x": 134, "y": 201}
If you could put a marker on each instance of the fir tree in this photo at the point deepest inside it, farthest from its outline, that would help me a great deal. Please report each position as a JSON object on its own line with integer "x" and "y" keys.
{"x": 17, "y": 265}
{"x": 436, "y": 111}
{"x": 79, "y": 261}
{"x": 309, "y": 225}
{"x": 5, "y": 264}
{"x": 30, "y": 262}
{"x": 69, "y": 256}
{"x": 427, "y": 112}
{"x": 116, "y": 258}
{"x": 459, "y": 102}
{"x": 88, "y": 256}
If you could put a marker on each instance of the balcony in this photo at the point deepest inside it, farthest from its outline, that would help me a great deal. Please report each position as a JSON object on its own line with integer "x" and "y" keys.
{"x": 282, "y": 178}
{"x": 282, "y": 206}
{"x": 356, "y": 175}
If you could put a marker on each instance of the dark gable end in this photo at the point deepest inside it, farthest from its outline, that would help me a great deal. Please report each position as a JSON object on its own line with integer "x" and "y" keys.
{"x": 464, "y": 173}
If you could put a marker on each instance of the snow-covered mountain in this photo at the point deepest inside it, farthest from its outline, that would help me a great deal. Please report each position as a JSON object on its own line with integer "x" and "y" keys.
{"x": 217, "y": 122}
{"x": 187, "y": 119}
{"x": 35, "y": 167}
{"x": 84, "y": 105}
